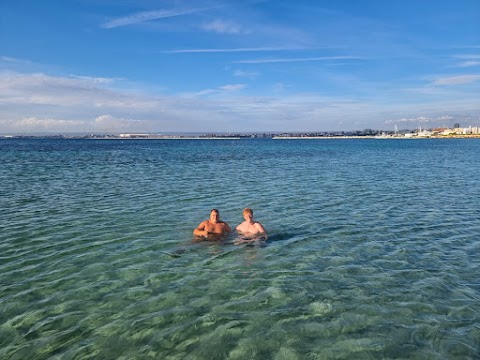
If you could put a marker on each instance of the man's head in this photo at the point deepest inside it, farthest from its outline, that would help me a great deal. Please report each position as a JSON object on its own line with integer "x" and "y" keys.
{"x": 247, "y": 213}
{"x": 214, "y": 216}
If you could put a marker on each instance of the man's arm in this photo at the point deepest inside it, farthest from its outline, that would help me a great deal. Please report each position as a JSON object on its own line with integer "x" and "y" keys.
{"x": 260, "y": 228}
{"x": 200, "y": 229}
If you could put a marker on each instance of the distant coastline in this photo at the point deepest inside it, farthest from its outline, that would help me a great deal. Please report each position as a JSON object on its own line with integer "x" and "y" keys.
{"x": 377, "y": 137}
{"x": 228, "y": 137}
{"x": 220, "y": 137}
{"x": 439, "y": 133}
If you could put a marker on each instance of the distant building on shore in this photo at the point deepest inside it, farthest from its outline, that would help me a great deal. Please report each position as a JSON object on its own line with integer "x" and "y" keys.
{"x": 134, "y": 136}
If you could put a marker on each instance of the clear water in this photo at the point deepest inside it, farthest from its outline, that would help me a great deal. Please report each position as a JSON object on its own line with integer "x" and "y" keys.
{"x": 373, "y": 251}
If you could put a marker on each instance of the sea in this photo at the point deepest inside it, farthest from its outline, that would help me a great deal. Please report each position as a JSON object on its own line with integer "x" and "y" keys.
{"x": 373, "y": 249}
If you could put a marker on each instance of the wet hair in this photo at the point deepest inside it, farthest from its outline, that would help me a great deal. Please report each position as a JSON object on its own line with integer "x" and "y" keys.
{"x": 247, "y": 211}
{"x": 215, "y": 210}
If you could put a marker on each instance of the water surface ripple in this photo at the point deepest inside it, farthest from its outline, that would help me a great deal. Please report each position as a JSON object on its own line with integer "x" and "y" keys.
{"x": 373, "y": 249}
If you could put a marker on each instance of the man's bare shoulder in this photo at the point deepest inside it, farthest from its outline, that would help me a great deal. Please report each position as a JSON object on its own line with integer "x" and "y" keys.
{"x": 226, "y": 226}
{"x": 258, "y": 225}
{"x": 204, "y": 223}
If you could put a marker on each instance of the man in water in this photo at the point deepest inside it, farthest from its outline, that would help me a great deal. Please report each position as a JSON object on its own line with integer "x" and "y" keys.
{"x": 250, "y": 230}
{"x": 213, "y": 228}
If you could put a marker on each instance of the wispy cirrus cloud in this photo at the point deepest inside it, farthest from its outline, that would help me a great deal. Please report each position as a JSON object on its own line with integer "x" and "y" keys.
{"x": 467, "y": 56}
{"x": 469, "y": 63}
{"x": 304, "y": 59}
{"x": 246, "y": 74}
{"x": 421, "y": 119}
{"x": 224, "y": 27}
{"x": 445, "y": 118}
{"x": 230, "y": 50}
{"x": 221, "y": 89}
{"x": 233, "y": 87}
{"x": 456, "y": 80}
{"x": 150, "y": 15}
{"x": 8, "y": 59}
{"x": 96, "y": 80}
{"x": 469, "y": 60}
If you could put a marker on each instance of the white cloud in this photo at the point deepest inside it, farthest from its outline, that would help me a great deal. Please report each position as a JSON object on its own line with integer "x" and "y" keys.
{"x": 422, "y": 120}
{"x": 456, "y": 80}
{"x": 467, "y": 56}
{"x": 218, "y": 91}
{"x": 96, "y": 80}
{"x": 34, "y": 124}
{"x": 206, "y": 92}
{"x": 148, "y": 16}
{"x": 47, "y": 123}
{"x": 247, "y": 74}
{"x": 230, "y": 50}
{"x": 39, "y": 102}
{"x": 223, "y": 27}
{"x": 232, "y": 87}
{"x": 444, "y": 118}
{"x": 14, "y": 60}
{"x": 41, "y": 89}
{"x": 109, "y": 123}
{"x": 286, "y": 60}
{"x": 469, "y": 63}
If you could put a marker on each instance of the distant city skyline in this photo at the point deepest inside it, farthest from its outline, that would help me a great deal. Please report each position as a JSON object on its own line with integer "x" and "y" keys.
{"x": 84, "y": 66}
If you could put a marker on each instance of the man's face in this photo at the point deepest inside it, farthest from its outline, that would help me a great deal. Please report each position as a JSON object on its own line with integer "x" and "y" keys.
{"x": 247, "y": 216}
{"x": 214, "y": 217}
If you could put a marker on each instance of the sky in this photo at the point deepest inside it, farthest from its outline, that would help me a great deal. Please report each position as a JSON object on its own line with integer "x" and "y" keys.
{"x": 162, "y": 66}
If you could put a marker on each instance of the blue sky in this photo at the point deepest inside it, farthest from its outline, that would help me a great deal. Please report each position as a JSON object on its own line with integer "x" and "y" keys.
{"x": 237, "y": 66}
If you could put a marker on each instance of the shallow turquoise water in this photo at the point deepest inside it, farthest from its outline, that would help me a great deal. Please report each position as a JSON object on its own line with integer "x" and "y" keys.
{"x": 373, "y": 249}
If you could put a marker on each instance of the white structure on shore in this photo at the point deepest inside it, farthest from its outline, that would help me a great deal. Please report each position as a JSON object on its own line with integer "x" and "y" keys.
{"x": 471, "y": 130}
{"x": 134, "y": 136}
